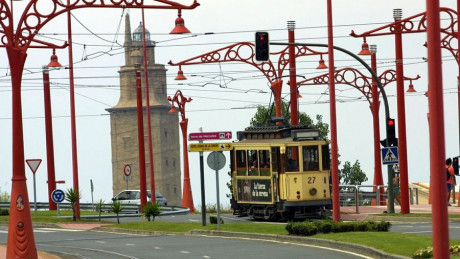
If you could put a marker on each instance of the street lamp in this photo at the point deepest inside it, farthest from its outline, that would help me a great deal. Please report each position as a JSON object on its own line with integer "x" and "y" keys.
{"x": 321, "y": 65}
{"x": 54, "y": 64}
{"x": 180, "y": 100}
{"x": 136, "y": 54}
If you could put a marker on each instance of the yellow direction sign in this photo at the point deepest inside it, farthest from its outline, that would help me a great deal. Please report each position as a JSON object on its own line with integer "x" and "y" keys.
{"x": 199, "y": 147}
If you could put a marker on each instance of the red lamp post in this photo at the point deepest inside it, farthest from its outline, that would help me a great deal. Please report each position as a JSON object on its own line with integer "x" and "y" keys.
{"x": 180, "y": 100}
{"x": 21, "y": 241}
{"x": 178, "y": 29}
{"x": 437, "y": 138}
{"x": 412, "y": 24}
{"x": 49, "y": 129}
{"x": 292, "y": 75}
{"x": 333, "y": 119}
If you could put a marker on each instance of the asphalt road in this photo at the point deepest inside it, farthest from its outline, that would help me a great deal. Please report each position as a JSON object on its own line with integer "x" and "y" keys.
{"x": 101, "y": 245}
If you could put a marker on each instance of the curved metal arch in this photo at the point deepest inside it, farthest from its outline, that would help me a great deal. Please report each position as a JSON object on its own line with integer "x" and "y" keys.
{"x": 301, "y": 51}
{"x": 446, "y": 43}
{"x": 342, "y": 77}
{"x": 357, "y": 80}
{"x": 32, "y": 19}
{"x": 412, "y": 24}
{"x": 233, "y": 53}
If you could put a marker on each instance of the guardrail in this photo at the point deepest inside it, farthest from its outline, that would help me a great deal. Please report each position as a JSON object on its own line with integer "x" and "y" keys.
{"x": 127, "y": 208}
{"x": 354, "y": 196}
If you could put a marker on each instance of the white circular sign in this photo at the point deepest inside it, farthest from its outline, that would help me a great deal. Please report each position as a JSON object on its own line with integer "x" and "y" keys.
{"x": 127, "y": 170}
{"x": 216, "y": 160}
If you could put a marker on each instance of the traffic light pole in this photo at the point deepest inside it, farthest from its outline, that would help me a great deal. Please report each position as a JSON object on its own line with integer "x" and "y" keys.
{"x": 385, "y": 102}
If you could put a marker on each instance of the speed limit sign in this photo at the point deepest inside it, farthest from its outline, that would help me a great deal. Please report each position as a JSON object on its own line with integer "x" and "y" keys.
{"x": 127, "y": 170}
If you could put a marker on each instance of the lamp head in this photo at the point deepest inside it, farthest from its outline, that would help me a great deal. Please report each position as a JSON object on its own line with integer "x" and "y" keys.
{"x": 173, "y": 109}
{"x": 411, "y": 88}
{"x": 365, "y": 49}
{"x": 54, "y": 63}
{"x": 321, "y": 65}
{"x": 180, "y": 75}
{"x": 180, "y": 25}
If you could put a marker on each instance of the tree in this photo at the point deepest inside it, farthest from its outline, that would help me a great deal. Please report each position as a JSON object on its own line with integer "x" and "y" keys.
{"x": 264, "y": 114}
{"x": 73, "y": 196}
{"x": 352, "y": 175}
{"x": 99, "y": 205}
{"x": 117, "y": 208}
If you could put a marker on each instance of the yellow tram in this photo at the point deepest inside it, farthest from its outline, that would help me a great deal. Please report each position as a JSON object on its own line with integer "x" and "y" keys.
{"x": 280, "y": 172}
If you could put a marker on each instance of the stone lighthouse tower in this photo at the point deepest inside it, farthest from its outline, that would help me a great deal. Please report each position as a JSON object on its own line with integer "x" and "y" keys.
{"x": 165, "y": 126}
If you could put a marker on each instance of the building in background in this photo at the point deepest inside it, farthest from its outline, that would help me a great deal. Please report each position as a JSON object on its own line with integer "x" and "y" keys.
{"x": 165, "y": 126}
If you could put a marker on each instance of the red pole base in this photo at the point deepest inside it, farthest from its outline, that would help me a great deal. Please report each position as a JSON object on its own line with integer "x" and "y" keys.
{"x": 187, "y": 200}
{"x": 21, "y": 241}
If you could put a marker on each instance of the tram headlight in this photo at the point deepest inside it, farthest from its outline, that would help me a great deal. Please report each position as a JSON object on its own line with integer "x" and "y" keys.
{"x": 313, "y": 191}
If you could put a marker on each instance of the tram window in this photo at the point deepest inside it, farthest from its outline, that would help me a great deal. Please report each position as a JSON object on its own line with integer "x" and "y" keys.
{"x": 292, "y": 159}
{"x": 241, "y": 165}
{"x": 310, "y": 158}
{"x": 326, "y": 157}
{"x": 275, "y": 158}
{"x": 264, "y": 158}
{"x": 253, "y": 162}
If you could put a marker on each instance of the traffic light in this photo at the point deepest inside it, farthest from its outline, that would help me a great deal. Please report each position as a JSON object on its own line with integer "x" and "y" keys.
{"x": 262, "y": 46}
{"x": 391, "y": 134}
{"x": 455, "y": 165}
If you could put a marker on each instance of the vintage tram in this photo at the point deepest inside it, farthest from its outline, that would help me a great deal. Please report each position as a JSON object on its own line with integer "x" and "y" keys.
{"x": 280, "y": 172}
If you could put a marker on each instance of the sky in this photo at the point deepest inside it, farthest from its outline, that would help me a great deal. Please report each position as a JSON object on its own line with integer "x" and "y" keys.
{"x": 225, "y": 95}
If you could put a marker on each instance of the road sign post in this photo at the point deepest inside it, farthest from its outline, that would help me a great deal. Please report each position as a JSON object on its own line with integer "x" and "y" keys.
{"x": 58, "y": 196}
{"x": 33, "y": 165}
{"x": 210, "y": 147}
{"x": 216, "y": 161}
{"x": 390, "y": 158}
{"x": 127, "y": 173}
{"x": 210, "y": 135}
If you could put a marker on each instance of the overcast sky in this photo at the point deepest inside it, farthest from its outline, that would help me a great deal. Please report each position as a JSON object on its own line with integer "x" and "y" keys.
{"x": 224, "y": 95}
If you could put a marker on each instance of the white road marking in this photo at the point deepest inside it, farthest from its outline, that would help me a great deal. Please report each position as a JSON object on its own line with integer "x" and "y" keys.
{"x": 184, "y": 252}
{"x": 58, "y": 229}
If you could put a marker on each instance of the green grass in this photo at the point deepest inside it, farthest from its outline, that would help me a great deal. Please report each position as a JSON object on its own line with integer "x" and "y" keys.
{"x": 263, "y": 228}
{"x": 51, "y": 216}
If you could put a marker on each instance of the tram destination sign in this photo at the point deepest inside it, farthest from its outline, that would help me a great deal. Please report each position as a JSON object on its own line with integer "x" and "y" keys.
{"x": 200, "y": 147}
{"x": 210, "y": 135}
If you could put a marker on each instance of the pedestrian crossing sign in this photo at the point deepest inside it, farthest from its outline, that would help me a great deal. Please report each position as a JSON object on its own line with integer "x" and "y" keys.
{"x": 390, "y": 155}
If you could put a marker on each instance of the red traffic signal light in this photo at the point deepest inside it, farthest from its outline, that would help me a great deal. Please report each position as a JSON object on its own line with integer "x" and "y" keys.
{"x": 391, "y": 140}
{"x": 391, "y": 122}
{"x": 262, "y": 46}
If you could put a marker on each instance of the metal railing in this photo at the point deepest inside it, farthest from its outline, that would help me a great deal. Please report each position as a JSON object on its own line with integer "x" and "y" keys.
{"x": 127, "y": 208}
{"x": 355, "y": 196}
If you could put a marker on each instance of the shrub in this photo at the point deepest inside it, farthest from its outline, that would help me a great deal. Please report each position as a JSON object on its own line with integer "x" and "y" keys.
{"x": 384, "y": 226}
{"x": 328, "y": 226}
{"x": 152, "y": 210}
{"x": 213, "y": 219}
{"x": 4, "y": 212}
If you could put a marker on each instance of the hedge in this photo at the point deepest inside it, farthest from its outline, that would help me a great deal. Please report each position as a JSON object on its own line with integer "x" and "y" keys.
{"x": 328, "y": 226}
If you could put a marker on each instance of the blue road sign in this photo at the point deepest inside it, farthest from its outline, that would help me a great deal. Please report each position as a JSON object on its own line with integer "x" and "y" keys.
{"x": 58, "y": 195}
{"x": 390, "y": 155}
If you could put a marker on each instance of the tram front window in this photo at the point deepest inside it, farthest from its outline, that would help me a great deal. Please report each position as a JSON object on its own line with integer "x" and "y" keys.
{"x": 292, "y": 159}
{"x": 241, "y": 162}
{"x": 310, "y": 158}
